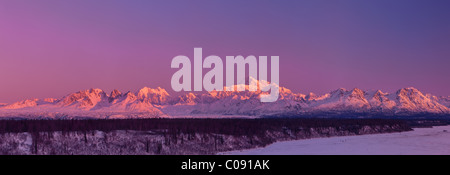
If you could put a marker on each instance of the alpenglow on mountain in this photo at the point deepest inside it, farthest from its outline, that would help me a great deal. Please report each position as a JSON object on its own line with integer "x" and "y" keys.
{"x": 150, "y": 103}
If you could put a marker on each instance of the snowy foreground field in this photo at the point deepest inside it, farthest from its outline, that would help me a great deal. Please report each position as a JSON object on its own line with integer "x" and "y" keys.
{"x": 434, "y": 141}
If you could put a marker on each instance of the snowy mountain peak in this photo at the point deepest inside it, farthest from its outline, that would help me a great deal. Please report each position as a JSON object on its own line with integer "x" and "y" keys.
{"x": 411, "y": 99}
{"x": 156, "y": 96}
{"x": 380, "y": 93}
{"x": 85, "y": 99}
{"x": 339, "y": 91}
{"x": 144, "y": 92}
{"x": 187, "y": 99}
{"x": 357, "y": 93}
{"x": 23, "y": 104}
{"x": 50, "y": 100}
{"x": 95, "y": 91}
{"x": 311, "y": 96}
{"x": 115, "y": 93}
{"x": 129, "y": 96}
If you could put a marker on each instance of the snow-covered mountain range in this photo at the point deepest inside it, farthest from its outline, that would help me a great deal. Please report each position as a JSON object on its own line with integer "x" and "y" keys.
{"x": 148, "y": 102}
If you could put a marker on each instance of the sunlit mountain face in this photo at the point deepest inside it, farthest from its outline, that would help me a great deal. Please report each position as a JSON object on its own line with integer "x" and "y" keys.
{"x": 157, "y": 102}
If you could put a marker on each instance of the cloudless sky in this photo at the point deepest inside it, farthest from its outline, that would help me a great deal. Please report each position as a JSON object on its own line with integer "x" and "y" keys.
{"x": 49, "y": 48}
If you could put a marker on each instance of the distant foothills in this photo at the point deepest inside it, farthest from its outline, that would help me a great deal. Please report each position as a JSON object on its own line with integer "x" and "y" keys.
{"x": 158, "y": 103}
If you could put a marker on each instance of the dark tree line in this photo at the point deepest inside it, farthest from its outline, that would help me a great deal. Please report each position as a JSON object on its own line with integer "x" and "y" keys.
{"x": 236, "y": 127}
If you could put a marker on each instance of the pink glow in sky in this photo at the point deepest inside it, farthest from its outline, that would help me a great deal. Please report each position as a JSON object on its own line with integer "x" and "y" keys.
{"x": 49, "y": 48}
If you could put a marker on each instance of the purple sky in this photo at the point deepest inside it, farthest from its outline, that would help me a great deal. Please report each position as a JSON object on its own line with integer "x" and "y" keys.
{"x": 52, "y": 48}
